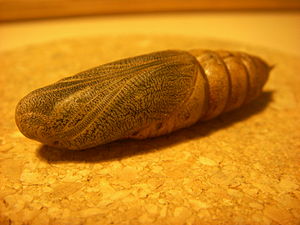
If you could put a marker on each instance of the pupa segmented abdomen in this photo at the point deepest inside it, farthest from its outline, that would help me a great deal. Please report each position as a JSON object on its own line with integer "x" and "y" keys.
{"x": 140, "y": 97}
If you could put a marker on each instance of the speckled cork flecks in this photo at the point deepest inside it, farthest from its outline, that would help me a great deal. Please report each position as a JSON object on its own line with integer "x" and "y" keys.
{"x": 241, "y": 168}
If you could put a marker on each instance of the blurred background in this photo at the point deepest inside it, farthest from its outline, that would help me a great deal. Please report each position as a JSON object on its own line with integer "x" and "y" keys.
{"x": 270, "y": 23}
{"x": 37, "y": 9}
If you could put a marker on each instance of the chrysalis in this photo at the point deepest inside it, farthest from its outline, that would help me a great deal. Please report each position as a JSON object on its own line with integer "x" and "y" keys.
{"x": 140, "y": 97}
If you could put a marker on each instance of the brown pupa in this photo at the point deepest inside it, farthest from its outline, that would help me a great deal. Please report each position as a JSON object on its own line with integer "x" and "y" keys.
{"x": 140, "y": 97}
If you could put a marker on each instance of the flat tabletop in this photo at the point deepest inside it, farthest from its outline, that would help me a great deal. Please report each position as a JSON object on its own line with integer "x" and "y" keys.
{"x": 271, "y": 29}
{"x": 240, "y": 168}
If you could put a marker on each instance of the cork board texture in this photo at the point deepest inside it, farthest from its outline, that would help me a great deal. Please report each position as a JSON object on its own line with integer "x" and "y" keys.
{"x": 240, "y": 168}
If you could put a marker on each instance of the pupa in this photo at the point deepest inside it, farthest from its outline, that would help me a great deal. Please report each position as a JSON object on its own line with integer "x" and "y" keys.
{"x": 140, "y": 97}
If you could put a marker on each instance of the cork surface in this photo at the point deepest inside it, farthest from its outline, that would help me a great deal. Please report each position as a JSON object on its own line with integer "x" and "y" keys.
{"x": 240, "y": 168}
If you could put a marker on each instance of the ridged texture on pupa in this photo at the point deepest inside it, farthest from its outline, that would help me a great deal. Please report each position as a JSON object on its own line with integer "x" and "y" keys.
{"x": 140, "y": 97}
